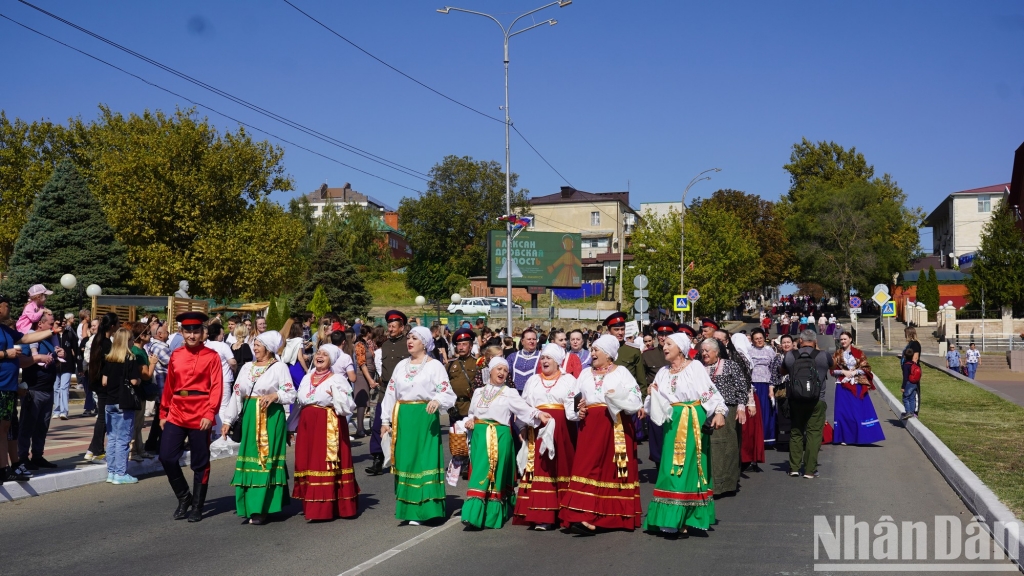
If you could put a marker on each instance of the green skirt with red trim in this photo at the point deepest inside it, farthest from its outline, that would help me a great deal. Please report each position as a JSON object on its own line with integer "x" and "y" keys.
{"x": 489, "y": 504}
{"x": 683, "y": 495}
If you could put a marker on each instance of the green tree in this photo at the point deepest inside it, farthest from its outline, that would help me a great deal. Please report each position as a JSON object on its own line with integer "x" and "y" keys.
{"x": 319, "y": 305}
{"x": 725, "y": 258}
{"x": 341, "y": 283}
{"x": 447, "y": 225}
{"x": 66, "y": 232}
{"x": 764, "y": 222}
{"x": 273, "y": 315}
{"x": 28, "y": 155}
{"x": 284, "y": 312}
{"x": 921, "y": 286}
{"x": 811, "y": 165}
{"x": 166, "y": 182}
{"x": 998, "y": 267}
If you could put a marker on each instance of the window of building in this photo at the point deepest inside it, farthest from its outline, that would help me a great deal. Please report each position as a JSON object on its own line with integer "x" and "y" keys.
{"x": 595, "y": 218}
{"x": 984, "y": 203}
{"x": 595, "y": 242}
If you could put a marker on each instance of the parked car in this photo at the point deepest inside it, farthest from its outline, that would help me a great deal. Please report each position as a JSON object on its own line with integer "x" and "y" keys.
{"x": 470, "y": 306}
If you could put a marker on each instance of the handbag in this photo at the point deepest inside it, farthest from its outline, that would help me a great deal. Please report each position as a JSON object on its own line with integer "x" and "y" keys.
{"x": 235, "y": 431}
{"x": 129, "y": 391}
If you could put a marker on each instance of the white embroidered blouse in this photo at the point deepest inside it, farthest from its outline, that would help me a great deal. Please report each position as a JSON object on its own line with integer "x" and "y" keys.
{"x": 417, "y": 382}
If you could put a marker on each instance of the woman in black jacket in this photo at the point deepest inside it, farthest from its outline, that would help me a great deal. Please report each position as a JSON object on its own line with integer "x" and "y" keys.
{"x": 65, "y": 368}
{"x": 99, "y": 347}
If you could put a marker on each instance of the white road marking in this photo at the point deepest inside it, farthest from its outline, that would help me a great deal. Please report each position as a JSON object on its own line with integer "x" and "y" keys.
{"x": 402, "y": 547}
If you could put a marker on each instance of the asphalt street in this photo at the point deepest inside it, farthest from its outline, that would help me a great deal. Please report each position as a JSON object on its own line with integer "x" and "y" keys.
{"x": 767, "y": 528}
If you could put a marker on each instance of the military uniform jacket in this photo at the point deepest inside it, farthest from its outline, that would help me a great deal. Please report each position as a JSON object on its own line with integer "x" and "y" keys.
{"x": 392, "y": 351}
{"x": 654, "y": 360}
{"x": 629, "y": 358}
{"x": 461, "y": 372}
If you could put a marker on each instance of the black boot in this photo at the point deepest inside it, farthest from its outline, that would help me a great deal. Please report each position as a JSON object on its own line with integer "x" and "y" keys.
{"x": 198, "y": 499}
{"x": 377, "y": 468}
{"x": 180, "y": 487}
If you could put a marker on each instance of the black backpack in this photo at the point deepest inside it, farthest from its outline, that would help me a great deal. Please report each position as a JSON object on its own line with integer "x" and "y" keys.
{"x": 804, "y": 382}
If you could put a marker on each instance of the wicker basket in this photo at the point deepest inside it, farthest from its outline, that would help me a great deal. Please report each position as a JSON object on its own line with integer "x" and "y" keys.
{"x": 457, "y": 445}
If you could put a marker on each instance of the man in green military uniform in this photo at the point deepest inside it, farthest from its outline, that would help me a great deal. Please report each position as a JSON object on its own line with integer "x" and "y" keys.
{"x": 393, "y": 351}
{"x": 461, "y": 372}
{"x": 653, "y": 361}
{"x": 629, "y": 356}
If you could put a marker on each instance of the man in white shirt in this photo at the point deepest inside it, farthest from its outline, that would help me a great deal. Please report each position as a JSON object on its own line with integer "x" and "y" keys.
{"x": 215, "y": 342}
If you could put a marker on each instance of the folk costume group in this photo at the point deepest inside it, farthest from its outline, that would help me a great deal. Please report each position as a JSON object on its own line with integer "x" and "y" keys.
{"x": 547, "y": 449}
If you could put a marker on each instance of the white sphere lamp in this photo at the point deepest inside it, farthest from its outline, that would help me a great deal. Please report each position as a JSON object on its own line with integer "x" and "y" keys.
{"x": 68, "y": 281}
{"x": 420, "y": 300}
{"x": 93, "y": 290}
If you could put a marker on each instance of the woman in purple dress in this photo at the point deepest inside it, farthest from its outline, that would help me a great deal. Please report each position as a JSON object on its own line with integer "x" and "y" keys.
{"x": 856, "y": 421}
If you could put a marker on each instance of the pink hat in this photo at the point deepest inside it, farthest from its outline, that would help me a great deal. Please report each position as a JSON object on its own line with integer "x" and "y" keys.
{"x": 37, "y": 290}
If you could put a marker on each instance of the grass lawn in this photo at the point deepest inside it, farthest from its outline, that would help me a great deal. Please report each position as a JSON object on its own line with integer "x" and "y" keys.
{"x": 983, "y": 430}
{"x": 390, "y": 291}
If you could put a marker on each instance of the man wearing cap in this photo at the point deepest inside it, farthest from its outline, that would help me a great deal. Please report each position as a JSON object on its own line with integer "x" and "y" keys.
{"x": 393, "y": 350}
{"x": 653, "y": 360}
{"x": 11, "y": 359}
{"x": 461, "y": 372}
{"x": 707, "y": 329}
{"x": 629, "y": 357}
{"x": 189, "y": 405}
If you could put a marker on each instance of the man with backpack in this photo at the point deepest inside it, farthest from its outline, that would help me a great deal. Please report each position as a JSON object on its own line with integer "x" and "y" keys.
{"x": 808, "y": 369}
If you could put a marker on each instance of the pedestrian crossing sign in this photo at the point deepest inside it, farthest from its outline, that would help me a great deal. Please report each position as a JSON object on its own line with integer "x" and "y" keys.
{"x": 682, "y": 303}
{"x": 889, "y": 309}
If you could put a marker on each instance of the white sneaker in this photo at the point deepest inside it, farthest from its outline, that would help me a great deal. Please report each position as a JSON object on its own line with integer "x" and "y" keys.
{"x": 413, "y": 523}
{"x": 110, "y": 477}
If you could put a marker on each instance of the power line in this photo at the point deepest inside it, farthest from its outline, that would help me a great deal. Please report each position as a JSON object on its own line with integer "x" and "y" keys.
{"x": 424, "y": 85}
{"x": 201, "y": 105}
{"x": 364, "y": 51}
{"x": 255, "y": 108}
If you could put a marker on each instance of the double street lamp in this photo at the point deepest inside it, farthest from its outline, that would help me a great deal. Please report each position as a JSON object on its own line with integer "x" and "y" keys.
{"x": 507, "y": 33}
{"x": 68, "y": 281}
{"x": 682, "y": 229}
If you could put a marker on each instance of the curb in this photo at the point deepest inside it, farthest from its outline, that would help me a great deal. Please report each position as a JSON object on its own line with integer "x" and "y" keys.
{"x": 980, "y": 500}
{"x": 960, "y": 376}
{"x": 89, "y": 474}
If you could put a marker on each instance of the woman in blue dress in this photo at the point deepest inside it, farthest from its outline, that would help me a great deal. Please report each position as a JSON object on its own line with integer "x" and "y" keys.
{"x": 856, "y": 421}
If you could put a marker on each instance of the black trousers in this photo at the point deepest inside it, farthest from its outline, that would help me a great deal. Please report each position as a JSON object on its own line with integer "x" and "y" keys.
{"x": 172, "y": 446}
{"x": 34, "y": 423}
{"x": 375, "y": 447}
{"x": 153, "y": 441}
{"x": 99, "y": 430}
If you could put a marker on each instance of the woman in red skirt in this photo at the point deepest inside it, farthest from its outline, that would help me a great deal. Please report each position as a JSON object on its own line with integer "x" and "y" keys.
{"x": 324, "y": 479}
{"x": 604, "y": 487}
{"x": 546, "y": 476}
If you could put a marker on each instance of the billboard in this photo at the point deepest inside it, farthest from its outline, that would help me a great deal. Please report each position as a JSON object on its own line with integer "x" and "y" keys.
{"x": 549, "y": 259}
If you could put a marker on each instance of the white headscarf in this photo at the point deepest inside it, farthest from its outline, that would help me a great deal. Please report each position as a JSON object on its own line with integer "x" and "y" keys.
{"x": 610, "y": 345}
{"x": 333, "y": 352}
{"x": 271, "y": 340}
{"x": 742, "y": 345}
{"x": 554, "y": 351}
{"x": 682, "y": 340}
{"x": 423, "y": 335}
{"x": 497, "y": 361}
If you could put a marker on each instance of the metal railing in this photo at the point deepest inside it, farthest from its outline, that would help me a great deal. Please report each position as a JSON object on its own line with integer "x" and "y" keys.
{"x": 989, "y": 342}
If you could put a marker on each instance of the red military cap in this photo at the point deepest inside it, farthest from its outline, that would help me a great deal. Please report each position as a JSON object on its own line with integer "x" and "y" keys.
{"x": 665, "y": 327}
{"x": 686, "y": 329}
{"x": 462, "y": 335}
{"x": 395, "y": 316}
{"x": 192, "y": 318}
{"x": 709, "y": 322}
{"x": 616, "y": 319}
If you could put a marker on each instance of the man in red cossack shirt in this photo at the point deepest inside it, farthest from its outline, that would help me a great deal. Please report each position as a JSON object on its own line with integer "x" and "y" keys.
{"x": 188, "y": 407}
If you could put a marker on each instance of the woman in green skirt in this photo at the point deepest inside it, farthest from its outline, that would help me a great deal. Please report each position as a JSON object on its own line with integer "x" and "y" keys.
{"x": 261, "y": 470}
{"x": 490, "y": 499}
{"x": 680, "y": 399}
{"x": 410, "y": 414}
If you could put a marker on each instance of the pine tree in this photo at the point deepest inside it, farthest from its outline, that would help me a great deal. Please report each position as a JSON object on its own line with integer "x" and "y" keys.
{"x": 66, "y": 232}
{"x": 283, "y": 313}
{"x": 273, "y": 316}
{"x": 998, "y": 267}
{"x": 341, "y": 282}
{"x": 919, "y": 286}
{"x": 319, "y": 304}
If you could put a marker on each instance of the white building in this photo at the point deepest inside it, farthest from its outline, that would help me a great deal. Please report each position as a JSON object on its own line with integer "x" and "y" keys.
{"x": 958, "y": 221}
{"x": 341, "y": 197}
{"x": 660, "y": 209}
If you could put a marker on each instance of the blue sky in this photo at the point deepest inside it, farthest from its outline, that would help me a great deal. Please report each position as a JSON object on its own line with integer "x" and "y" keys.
{"x": 618, "y": 93}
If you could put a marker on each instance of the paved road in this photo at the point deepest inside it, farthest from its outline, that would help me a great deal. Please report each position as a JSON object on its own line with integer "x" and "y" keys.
{"x": 766, "y": 529}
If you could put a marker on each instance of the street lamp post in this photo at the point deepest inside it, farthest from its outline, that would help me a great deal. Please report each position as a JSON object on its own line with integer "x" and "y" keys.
{"x": 507, "y": 34}
{"x": 682, "y": 229}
